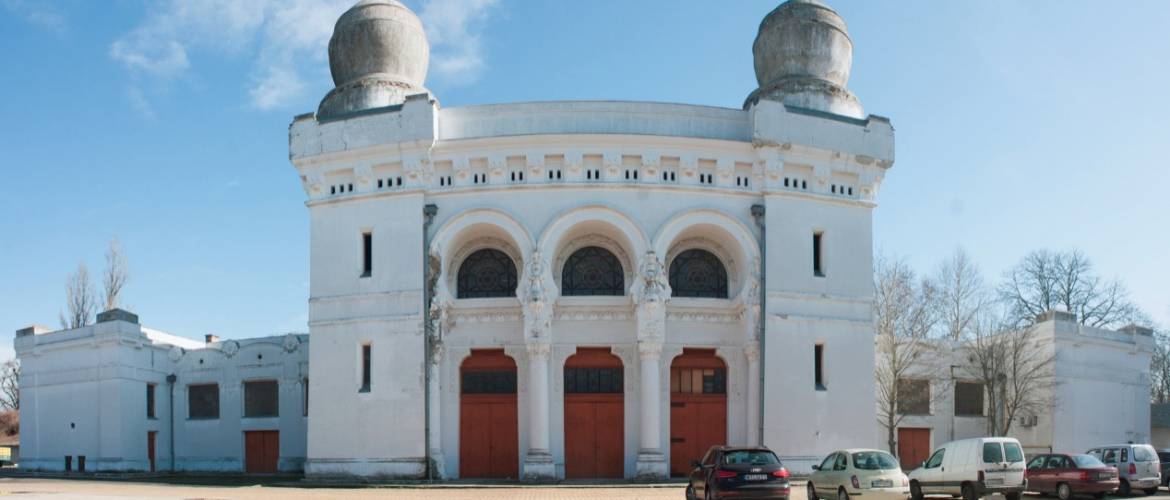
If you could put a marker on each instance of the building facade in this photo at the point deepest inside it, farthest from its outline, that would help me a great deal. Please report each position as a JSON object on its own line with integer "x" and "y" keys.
{"x": 118, "y": 396}
{"x": 1096, "y": 392}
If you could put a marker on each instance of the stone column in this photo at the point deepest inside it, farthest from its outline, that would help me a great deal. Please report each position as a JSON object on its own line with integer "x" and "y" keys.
{"x": 538, "y": 461}
{"x": 752, "y": 354}
{"x": 651, "y": 462}
{"x": 434, "y": 422}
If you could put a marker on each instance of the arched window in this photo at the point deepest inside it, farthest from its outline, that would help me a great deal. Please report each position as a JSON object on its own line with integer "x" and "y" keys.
{"x": 698, "y": 273}
{"x": 487, "y": 273}
{"x": 593, "y": 271}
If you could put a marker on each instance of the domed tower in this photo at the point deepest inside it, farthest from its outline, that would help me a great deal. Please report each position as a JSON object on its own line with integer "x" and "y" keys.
{"x": 802, "y": 56}
{"x": 378, "y": 55}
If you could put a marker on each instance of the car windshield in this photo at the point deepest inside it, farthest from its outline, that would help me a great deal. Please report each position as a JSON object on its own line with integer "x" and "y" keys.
{"x": 1087, "y": 461}
{"x": 750, "y": 457}
{"x": 874, "y": 460}
{"x": 1144, "y": 454}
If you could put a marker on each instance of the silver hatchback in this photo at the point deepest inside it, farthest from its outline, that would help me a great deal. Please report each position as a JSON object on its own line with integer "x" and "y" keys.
{"x": 1137, "y": 466}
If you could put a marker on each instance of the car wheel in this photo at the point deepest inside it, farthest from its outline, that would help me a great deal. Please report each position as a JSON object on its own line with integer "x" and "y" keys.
{"x": 1063, "y": 492}
{"x": 842, "y": 494}
{"x": 691, "y": 493}
{"x": 1099, "y": 496}
{"x": 812, "y": 492}
{"x": 969, "y": 492}
{"x": 1011, "y": 496}
{"x": 1151, "y": 491}
{"x": 915, "y": 490}
{"x": 1124, "y": 490}
{"x": 709, "y": 492}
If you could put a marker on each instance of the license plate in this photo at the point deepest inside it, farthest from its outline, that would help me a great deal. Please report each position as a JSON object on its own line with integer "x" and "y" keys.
{"x": 997, "y": 481}
{"x": 882, "y": 483}
{"x": 1104, "y": 476}
{"x": 755, "y": 477}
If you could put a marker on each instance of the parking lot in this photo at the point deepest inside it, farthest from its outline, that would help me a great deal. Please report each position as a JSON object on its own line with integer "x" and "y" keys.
{"x": 68, "y": 489}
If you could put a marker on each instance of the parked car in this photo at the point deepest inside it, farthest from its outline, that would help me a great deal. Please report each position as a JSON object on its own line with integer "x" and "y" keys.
{"x": 972, "y": 468}
{"x": 858, "y": 472}
{"x": 738, "y": 472}
{"x": 1137, "y": 465}
{"x": 1164, "y": 459}
{"x": 1068, "y": 475}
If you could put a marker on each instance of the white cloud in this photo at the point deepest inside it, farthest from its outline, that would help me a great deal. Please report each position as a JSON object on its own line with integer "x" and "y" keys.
{"x": 41, "y": 13}
{"x": 283, "y": 39}
{"x": 454, "y": 30}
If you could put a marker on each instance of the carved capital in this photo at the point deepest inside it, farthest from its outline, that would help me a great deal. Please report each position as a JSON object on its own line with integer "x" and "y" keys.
{"x": 651, "y": 286}
{"x": 649, "y": 350}
{"x": 538, "y": 351}
{"x": 752, "y": 352}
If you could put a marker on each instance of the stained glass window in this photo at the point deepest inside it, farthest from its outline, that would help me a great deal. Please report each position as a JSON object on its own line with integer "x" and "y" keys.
{"x": 487, "y": 273}
{"x": 593, "y": 271}
{"x": 698, "y": 273}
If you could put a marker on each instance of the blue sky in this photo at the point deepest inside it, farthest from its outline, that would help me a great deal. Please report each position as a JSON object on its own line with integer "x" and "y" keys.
{"x": 1020, "y": 125}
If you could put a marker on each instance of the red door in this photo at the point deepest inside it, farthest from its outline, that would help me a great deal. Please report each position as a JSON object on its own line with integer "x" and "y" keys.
{"x": 488, "y": 427}
{"x": 261, "y": 451}
{"x": 150, "y": 448}
{"x": 913, "y": 447}
{"x": 698, "y": 407}
{"x": 594, "y": 415}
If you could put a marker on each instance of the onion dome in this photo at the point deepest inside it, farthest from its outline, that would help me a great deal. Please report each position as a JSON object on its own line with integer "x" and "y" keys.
{"x": 378, "y": 55}
{"x": 803, "y": 55}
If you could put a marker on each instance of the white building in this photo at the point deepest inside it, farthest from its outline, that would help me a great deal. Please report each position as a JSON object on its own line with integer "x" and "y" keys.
{"x": 117, "y": 396}
{"x": 1099, "y": 394}
{"x": 537, "y": 290}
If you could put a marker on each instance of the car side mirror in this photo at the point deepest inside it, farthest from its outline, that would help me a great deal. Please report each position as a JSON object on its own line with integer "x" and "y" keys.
{"x": 922, "y": 465}
{"x": 816, "y": 467}
{"x": 696, "y": 464}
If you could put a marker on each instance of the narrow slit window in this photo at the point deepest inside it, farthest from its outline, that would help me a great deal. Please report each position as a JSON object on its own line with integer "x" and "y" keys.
{"x": 818, "y": 261}
{"x": 365, "y": 368}
{"x": 150, "y": 400}
{"x": 367, "y": 254}
{"x": 819, "y": 366}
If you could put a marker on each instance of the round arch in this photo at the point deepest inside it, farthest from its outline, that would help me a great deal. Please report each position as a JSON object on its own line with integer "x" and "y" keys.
{"x": 716, "y": 232}
{"x": 475, "y": 230}
{"x": 594, "y": 226}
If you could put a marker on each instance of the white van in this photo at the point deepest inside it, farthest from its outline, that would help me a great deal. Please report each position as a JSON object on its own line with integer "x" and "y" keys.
{"x": 972, "y": 468}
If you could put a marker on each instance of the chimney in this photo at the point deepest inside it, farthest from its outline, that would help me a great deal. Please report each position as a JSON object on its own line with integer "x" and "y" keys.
{"x": 1056, "y": 315}
{"x": 211, "y": 338}
{"x": 116, "y": 314}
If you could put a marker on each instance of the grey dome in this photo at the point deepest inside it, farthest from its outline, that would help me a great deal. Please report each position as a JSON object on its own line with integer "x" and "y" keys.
{"x": 803, "y": 55}
{"x": 378, "y": 55}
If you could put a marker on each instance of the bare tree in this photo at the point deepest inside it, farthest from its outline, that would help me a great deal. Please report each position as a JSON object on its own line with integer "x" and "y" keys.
{"x": 1160, "y": 369}
{"x": 1046, "y": 280}
{"x": 962, "y": 294}
{"x": 1013, "y": 366}
{"x": 904, "y": 316}
{"x": 116, "y": 274}
{"x": 80, "y": 298}
{"x": 10, "y": 385}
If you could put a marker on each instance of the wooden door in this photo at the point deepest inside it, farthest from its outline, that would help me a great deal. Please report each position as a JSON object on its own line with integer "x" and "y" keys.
{"x": 261, "y": 451}
{"x": 698, "y": 407}
{"x": 913, "y": 447}
{"x": 489, "y": 445}
{"x": 150, "y": 443}
{"x": 594, "y": 415}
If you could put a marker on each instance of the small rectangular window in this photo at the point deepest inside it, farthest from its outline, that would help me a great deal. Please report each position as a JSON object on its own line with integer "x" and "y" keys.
{"x": 367, "y": 254}
{"x": 203, "y": 401}
{"x": 150, "y": 400}
{"x": 261, "y": 399}
{"x": 819, "y": 366}
{"x": 818, "y": 269}
{"x": 365, "y": 368}
{"x": 913, "y": 397}
{"x": 968, "y": 399}
{"x": 306, "y": 389}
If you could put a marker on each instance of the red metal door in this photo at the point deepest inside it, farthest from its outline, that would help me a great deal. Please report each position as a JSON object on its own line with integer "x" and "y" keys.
{"x": 698, "y": 407}
{"x": 595, "y": 421}
{"x": 913, "y": 447}
{"x": 488, "y": 426}
{"x": 261, "y": 451}
{"x": 150, "y": 438}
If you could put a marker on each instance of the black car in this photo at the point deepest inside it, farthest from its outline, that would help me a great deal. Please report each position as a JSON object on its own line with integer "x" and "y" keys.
{"x": 738, "y": 472}
{"x": 1164, "y": 457}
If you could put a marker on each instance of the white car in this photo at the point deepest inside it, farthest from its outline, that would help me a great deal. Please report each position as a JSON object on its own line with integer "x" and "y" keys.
{"x": 972, "y": 468}
{"x": 858, "y": 472}
{"x": 1138, "y": 466}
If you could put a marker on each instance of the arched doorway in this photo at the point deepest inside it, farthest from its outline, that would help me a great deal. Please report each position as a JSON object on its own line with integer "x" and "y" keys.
{"x": 698, "y": 407}
{"x": 488, "y": 429}
{"x": 594, "y": 415}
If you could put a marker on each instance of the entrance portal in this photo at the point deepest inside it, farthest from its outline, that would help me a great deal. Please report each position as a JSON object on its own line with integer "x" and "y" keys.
{"x": 261, "y": 451}
{"x": 698, "y": 407}
{"x": 594, "y": 415}
{"x": 488, "y": 428}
